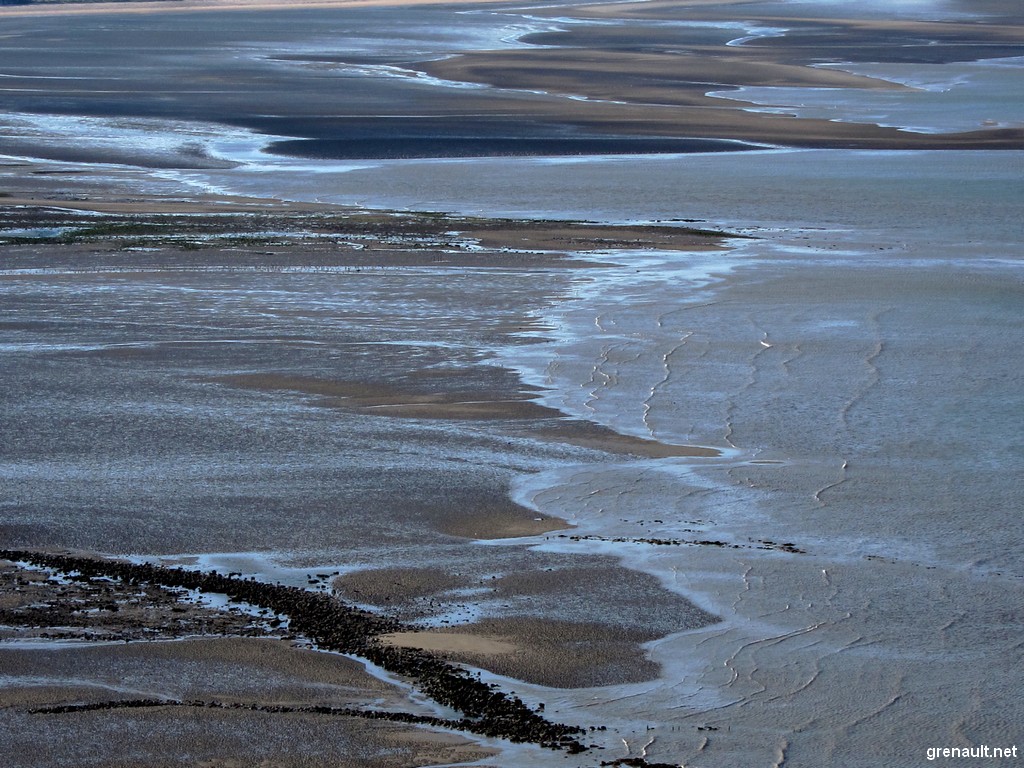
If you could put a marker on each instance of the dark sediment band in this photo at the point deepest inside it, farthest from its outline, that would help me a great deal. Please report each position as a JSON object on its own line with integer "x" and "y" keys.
{"x": 416, "y": 147}
{"x": 368, "y": 714}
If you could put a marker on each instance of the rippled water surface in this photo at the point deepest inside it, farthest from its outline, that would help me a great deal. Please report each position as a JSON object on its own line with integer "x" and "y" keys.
{"x": 858, "y": 362}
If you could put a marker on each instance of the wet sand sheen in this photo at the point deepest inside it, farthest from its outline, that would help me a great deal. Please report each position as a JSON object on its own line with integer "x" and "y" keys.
{"x": 548, "y": 423}
{"x": 334, "y": 626}
{"x": 796, "y": 365}
{"x": 455, "y": 394}
{"x": 553, "y": 95}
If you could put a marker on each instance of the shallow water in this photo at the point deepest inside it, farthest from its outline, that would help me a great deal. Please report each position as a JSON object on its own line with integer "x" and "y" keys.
{"x": 859, "y": 363}
{"x": 866, "y": 377}
{"x": 948, "y": 98}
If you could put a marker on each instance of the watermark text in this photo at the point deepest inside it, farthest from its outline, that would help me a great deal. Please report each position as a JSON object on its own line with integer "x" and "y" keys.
{"x": 982, "y": 750}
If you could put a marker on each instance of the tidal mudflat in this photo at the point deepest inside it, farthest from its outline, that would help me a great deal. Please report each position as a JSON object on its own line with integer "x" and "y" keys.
{"x": 616, "y": 384}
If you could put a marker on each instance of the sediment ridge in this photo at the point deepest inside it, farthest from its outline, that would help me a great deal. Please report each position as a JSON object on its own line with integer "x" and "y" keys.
{"x": 334, "y": 626}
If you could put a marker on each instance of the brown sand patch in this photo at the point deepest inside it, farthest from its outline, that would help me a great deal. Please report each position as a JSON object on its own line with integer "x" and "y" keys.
{"x": 499, "y": 521}
{"x": 638, "y": 78}
{"x": 257, "y": 671}
{"x": 633, "y": 446}
{"x": 448, "y": 642}
{"x": 590, "y": 604}
{"x": 604, "y": 613}
{"x": 169, "y": 737}
{"x": 600, "y": 438}
{"x": 534, "y": 420}
{"x": 361, "y": 393}
{"x": 571, "y": 653}
{"x": 397, "y": 585}
{"x": 561, "y": 654}
{"x": 188, "y": 6}
{"x": 556, "y": 237}
{"x": 731, "y": 122}
{"x": 478, "y": 410}
{"x": 384, "y": 400}
{"x": 665, "y": 95}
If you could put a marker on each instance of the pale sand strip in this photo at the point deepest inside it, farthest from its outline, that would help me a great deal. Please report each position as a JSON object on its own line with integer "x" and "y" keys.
{"x": 381, "y": 400}
{"x": 671, "y": 9}
{"x": 551, "y": 652}
{"x": 665, "y": 95}
{"x": 448, "y": 642}
{"x": 226, "y": 204}
{"x": 653, "y": 77}
{"x": 191, "y": 6}
{"x": 537, "y": 624}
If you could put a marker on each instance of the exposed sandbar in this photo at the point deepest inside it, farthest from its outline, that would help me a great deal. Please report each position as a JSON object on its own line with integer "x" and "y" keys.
{"x": 177, "y": 245}
{"x": 449, "y": 403}
{"x": 246, "y": 677}
{"x": 595, "y": 641}
{"x": 559, "y": 654}
{"x": 665, "y": 94}
{"x": 188, "y": 6}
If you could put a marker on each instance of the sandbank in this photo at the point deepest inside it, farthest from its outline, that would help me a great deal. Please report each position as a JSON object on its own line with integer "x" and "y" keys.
{"x": 446, "y": 402}
{"x": 123, "y": 642}
{"x": 191, "y": 6}
{"x": 666, "y": 95}
{"x": 594, "y": 641}
{"x": 582, "y": 90}
{"x": 557, "y": 654}
{"x": 264, "y": 690}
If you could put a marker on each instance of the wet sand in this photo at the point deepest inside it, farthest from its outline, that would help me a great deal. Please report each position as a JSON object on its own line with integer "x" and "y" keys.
{"x": 226, "y": 738}
{"x": 551, "y": 653}
{"x": 90, "y": 7}
{"x": 121, "y": 643}
{"x": 542, "y": 629}
{"x": 663, "y": 75}
{"x": 451, "y": 404}
{"x": 274, "y": 387}
{"x": 332, "y": 626}
{"x": 635, "y": 88}
{"x": 399, "y": 397}
{"x": 201, "y": 689}
{"x": 127, "y": 249}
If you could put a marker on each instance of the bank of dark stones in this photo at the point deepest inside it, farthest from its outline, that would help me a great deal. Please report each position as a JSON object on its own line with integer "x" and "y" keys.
{"x": 334, "y": 626}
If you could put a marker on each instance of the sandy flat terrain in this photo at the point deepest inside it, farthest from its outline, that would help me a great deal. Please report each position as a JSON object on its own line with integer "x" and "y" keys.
{"x": 217, "y": 690}
{"x": 120, "y": 643}
{"x": 188, "y": 6}
{"x": 298, "y": 384}
{"x": 661, "y": 76}
{"x": 639, "y": 87}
